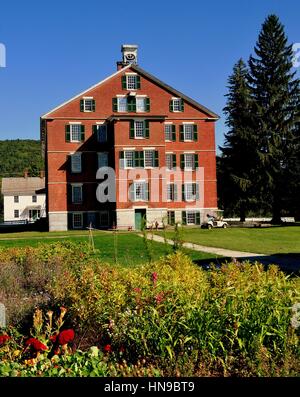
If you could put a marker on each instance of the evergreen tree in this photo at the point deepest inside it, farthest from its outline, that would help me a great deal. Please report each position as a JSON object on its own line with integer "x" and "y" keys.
{"x": 275, "y": 92}
{"x": 236, "y": 169}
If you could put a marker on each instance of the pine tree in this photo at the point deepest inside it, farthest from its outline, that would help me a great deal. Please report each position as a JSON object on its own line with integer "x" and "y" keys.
{"x": 275, "y": 92}
{"x": 237, "y": 164}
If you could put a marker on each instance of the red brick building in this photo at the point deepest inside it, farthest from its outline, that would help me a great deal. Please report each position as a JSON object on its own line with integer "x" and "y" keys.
{"x": 149, "y": 133}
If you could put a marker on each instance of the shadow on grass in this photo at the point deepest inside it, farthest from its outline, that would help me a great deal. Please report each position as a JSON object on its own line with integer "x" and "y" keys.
{"x": 289, "y": 263}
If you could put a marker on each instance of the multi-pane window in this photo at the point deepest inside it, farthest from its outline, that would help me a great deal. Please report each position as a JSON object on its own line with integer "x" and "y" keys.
{"x": 188, "y": 130}
{"x": 88, "y": 105}
{"x": 75, "y": 130}
{"x": 16, "y": 213}
{"x": 76, "y": 162}
{"x": 139, "y": 129}
{"x": 176, "y": 105}
{"x": 140, "y": 191}
{"x": 104, "y": 218}
{"x": 149, "y": 158}
{"x": 189, "y": 161}
{"x": 77, "y": 194}
{"x": 190, "y": 191}
{"x": 169, "y": 161}
{"x": 131, "y": 82}
{"x": 190, "y": 217}
{"x": 129, "y": 159}
{"x": 171, "y": 192}
{"x": 102, "y": 133}
{"x": 102, "y": 159}
{"x": 16, "y": 199}
{"x": 168, "y": 132}
{"x": 122, "y": 104}
{"x": 77, "y": 220}
{"x": 34, "y": 199}
{"x": 140, "y": 104}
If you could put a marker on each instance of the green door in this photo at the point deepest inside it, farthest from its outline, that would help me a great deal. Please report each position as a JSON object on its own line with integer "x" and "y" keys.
{"x": 138, "y": 218}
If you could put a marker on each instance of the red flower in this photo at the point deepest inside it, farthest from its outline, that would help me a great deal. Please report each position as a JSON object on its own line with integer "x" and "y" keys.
{"x": 154, "y": 277}
{"x": 65, "y": 336}
{"x": 107, "y": 348}
{"x": 137, "y": 290}
{"x": 36, "y": 344}
{"x": 3, "y": 339}
{"x": 53, "y": 338}
{"x": 159, "y": 297}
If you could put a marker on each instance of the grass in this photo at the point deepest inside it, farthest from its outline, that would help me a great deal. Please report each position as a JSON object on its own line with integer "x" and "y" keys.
{"x": 130, "y": 247}
{"x": 273, "y": 240}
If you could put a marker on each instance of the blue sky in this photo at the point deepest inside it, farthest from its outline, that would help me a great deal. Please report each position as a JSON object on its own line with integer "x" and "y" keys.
{"x": 57, "y": 49}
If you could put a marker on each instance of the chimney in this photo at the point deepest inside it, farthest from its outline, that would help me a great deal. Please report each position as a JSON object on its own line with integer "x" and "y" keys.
{"x": 129, "y": 55}
{"x": 26, "y": 173}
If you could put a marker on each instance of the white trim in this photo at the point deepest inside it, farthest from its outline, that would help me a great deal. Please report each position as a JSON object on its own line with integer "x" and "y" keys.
{"x": 168, "y": 122}
{"x": 87, "y": 97}
{"x": 120, "y": 96}
{"x": 129, "y": 148}
{"x": 188, "y": 122}
{"x": 75, "y": 122}
{"x": 83, "y": 92}
{"x": 131, "y": 73}
{"x": 100, "y": 122}
{"x": 148, "y": 148}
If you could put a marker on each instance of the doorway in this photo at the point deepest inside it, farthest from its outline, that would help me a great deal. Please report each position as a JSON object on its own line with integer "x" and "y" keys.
{"x": 139, "y": 218}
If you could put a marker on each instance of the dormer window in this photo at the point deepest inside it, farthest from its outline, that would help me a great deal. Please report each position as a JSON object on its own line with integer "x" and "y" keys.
{"x": 131, "y": 81}
{"x": 87, "y": 105}
{"x": 176, "y": 105}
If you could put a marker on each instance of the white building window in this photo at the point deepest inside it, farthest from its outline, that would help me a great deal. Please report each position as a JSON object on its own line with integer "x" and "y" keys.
{"x": 140, "y": 191}
{"x": 190, "y": 191}
{"x": 139, "y": 129}
{"x": 88, "y": 105}
{"x": 188, "y": 131}
{"x": 122, "y": 104}
{"x": 16, "y": 199}
{"x": 176, "y": 105}
{"x": 129, "y": 158}
{"x": 102, "y": 133}
{"x": 16, "y": 213}
{"x": 131, "y": 82}
{"x": 189, "y": 161}
{"x": 149, "y": 158}
{"x": 77, "y": 194}
{"x": 140, "y": 104}
{"x": 104, "y": 218}
{"x": 168, "y": 132}
{"x": 77, "y": 220}
{"x": 169, "y": 161}
{"x": 75, "y": 131}
{"x": 34, "y": 198}
{"x": 76, "y": 162}
{"x": 102, "y": 159}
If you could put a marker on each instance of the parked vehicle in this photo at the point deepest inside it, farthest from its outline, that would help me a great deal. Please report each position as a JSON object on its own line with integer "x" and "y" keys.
{"x": 213, "y": 221}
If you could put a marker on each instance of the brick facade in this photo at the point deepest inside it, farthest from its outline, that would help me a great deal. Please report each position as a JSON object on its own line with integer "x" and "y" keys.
{"x": 54, "y": 132}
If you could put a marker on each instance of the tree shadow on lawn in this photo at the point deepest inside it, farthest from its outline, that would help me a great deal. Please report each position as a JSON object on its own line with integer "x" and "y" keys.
{"x": 289, "y": 263}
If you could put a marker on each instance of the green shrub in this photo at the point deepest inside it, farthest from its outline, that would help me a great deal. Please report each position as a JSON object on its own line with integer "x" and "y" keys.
{"x": 169, "y": 317}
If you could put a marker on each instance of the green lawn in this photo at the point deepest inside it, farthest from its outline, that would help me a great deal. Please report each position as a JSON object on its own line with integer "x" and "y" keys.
{"x": 130, "y": 247}
{"x": 273, "y": 240}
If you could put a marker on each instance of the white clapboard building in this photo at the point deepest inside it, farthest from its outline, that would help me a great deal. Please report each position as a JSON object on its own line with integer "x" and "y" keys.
{"x": 24, "y": 199}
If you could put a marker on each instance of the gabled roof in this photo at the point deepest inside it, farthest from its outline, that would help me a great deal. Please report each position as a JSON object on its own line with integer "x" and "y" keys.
{"x": 22, "y": 186}
{"x": 141, "y": 71}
